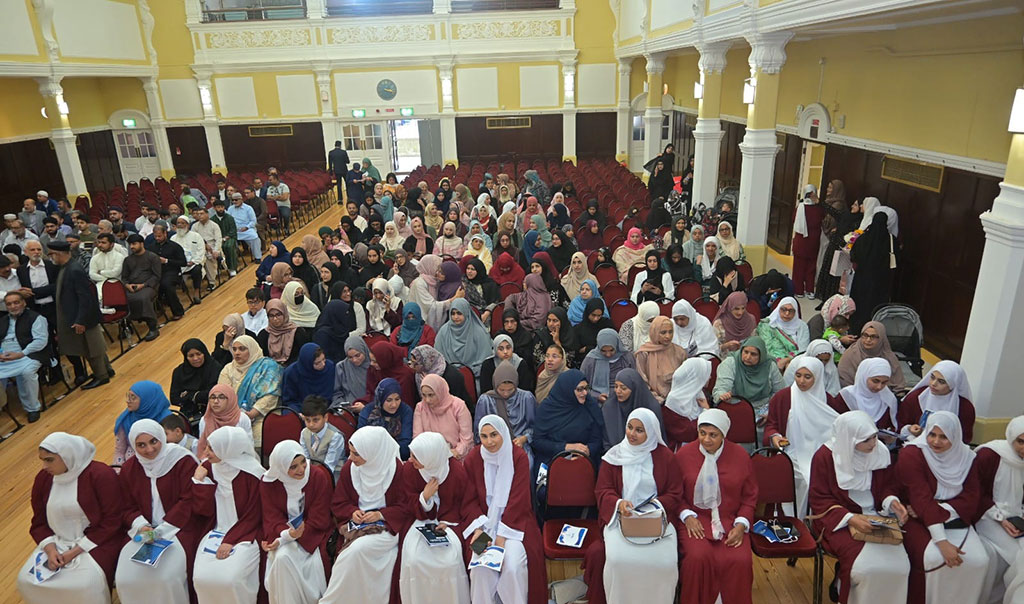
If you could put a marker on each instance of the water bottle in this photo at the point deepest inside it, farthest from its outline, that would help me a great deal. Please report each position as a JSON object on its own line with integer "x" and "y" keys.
{"x": 146, "y": 536}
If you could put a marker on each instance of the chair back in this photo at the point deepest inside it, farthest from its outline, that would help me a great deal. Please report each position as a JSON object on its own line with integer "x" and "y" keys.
{"x": 743, "y": 428}
{"x": 746, "y": 271}
{"x": 620, "y": 311}
{"x": 114, "y": 294}
{"x": 754, "y": 308}
{"x": 374, "y": 337}
{"x": 497, "y": 322}
{"x": 688, "y": 290}
{"x": 507, "y": 289}
{"x": 571, "y": 481}
{"x": 706, "y": 307}
{"x": 665, "y": 306}
{"x": 470, "y": 381}
{"x": 319, "y": 466}
{"x": 605, "y": 273}
{"x": 635, "y": 270}
{"x": 345, "y": 422}
{"x": 773, "y": 470}
{"x": 615, "y": 290}
{"x": 279, "y": 425}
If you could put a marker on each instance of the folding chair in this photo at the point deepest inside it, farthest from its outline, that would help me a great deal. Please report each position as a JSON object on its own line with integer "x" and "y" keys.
{"x": 571, "y": 482}
{"x": 279, "y": 425}
{"x": 115, "y": 296}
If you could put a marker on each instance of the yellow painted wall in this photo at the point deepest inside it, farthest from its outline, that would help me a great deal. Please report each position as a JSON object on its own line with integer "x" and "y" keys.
{"x": 736, "y": 70}
{"x": 680, "y": 74}
{"x": 637, "y": 77}
{"x": 39, "y": 55}
{"x": 593, "y": 31}
{"x": 172, "y": 39}
{"x": 950, "y": 103}
{"x": 21, "y": 102}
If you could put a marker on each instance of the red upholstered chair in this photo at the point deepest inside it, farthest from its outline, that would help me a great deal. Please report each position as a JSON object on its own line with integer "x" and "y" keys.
{"x": 319, "y": 466}
{"x": 470, "y": 381}
{"x": 620, "y": 311}
{"x": 688, "y": 290}
{"x": 606, "y": 273}
{"x": 615, "y": 290}
{"x": 776, "y": 486}
{"x": 571, "y": 482}
{"x": 115, "y": 296}
{"x": 507, "y": 289}
{"x": 754, "y": 308}
{"x": 374, "y": 337}
{"x": 715, "y": 362}
{"x": 280, "y": 424}
{"x": 665, "y": 306}
{"x": 345, "y": 421}
{"x": 633, "y": 272}
{"x": 497, "y": 323}
{"x": 706, "y": 307}
{"x": 747, "y": 271}
{"x": 743, "y": 429}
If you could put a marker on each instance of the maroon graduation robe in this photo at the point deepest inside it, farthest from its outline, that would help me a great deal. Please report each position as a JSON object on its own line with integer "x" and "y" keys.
{"x": 99, "y": 496}
{"x": 609, "y": 491}
{"x": 885, "y": 422}
{"x": 678, "y": 429}
{"x": 986, "y": 463}
{"x": 452, "y": 493}
{"x": 518, "y": 514}
{"x": 245, "y": 489}
{"x": 919, "y": 488}
{"x": 825, "y": 492}
{"x": 316, "y": 515}
{"x": 710, "y": 566}
{"x": 778, "y": 413}
{"x": 909, "y": 412}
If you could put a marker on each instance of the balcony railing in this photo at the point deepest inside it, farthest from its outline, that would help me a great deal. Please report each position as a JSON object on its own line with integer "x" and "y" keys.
{"x": 467, "y": 6}
{"x": 378, "y": 8}
{"x": 252, "y": 10}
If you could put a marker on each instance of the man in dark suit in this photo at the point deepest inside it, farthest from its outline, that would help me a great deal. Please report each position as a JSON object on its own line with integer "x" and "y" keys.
{"x": 172, "y": 257}
{"x": 78, "y": 316}
{"x": 337, "y": 164}
{"x": 38, "y": 278}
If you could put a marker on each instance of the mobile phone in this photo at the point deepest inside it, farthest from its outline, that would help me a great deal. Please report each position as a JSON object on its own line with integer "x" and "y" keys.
{"x": 1017, "y": 522}
{"x": 480, "y": 544}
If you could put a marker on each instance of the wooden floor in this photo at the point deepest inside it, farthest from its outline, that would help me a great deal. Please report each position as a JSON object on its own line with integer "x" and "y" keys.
{"x": 91, "y": 414}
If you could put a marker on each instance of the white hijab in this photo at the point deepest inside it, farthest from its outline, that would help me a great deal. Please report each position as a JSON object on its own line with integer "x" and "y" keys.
{"x": 688, "y": 383}
{"x": 170, "y": 453}
{"x": 706, "y": 266}
{"x": 234, "y": 448}
{"x": 707, "y": 490}
{"x": 859, "y": 396}
{"x": 800, "y": 222}
{"x": 645, "y": 315}
{"x": 814, "y": 348}
{"x": 698, "y": 335}
{"x": 950, "y": 467}
{"x": 792, "y": 327}
{"x": 853, "y": 468}
{"x": 281, "y": 458}
{"x": 77, "y": 453}
{"x": 958, "y": 386}
{"x": 810, "y": 417}
{"x": 499, "y": 470}
{"x": 432, "y": 450}
{"x": 1009, "y": 480}
{"x": 372, "y": 479}
{"x": 635, "y": 460}
{"x": 376, "y": 309}
{"x": 868, "y": 207}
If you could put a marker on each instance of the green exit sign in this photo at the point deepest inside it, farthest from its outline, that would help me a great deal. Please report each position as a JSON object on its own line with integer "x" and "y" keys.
{"x": 128, "y": 123}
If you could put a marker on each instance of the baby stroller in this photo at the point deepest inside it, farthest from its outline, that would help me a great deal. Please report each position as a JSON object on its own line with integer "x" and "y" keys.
{"x": 905, "y": 332}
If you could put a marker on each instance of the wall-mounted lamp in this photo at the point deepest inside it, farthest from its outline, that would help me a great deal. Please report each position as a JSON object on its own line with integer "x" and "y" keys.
{"x": 42, "y": 111}
{"x": 205, "y": 97}
{"x": 1017, "y": 113}
{"x": 569, "y": 85}
{"x": 62, "y": 106}
{"x": 749, "y": 88}
{"x": 698, "y": 87}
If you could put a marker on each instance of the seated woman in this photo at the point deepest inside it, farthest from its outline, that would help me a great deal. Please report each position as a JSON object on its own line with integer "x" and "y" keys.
{"x": 444, "y": 413}
{"x": 636, "y": 331}
{"x": 301, "y": 309}
{"x": 435, "y": 486}
{"x": 232, "y": 327}
{"x": 506, "y": 270}
{"x": 733, "y": 324}
{"x": 419, "y": 242}
{"x": 708, "y": 259}
{"x": 222, "y": 410}
{"x": 948, "y": 561}
{"x": 631, "y": 393}
{"x": 749, "y": 374}
{"x": 390, "y": 412}
{"x": 156, "y": 489}
{"x": 482, "y": 292}
{"x": 568, "y": 419}
{"x": 767, "y": 288}
{"x": 631, "y": 252}
{"x": 686, "y": 401}
{"x": 282, "y": 339}
{"x": 552, "y": 367}
{"x": 464, "y": 340}
{"x": 588, "y": 291}
{"x": 226, "y": 487}
{"x": 557, "y": 331}
{"x": 424, "y": 292}
{"x": 783, "y": 332}
{"x": 652, "y": 283}
{"x": 677, "y": 264}
{"x": 800, "y": 421}
{"x": 693, "y": 331}
{"x": 505, "y": 351}
{"x": 370, "y": 491}
{"x": 256, "y": 381}
{"x": 413, "y": 331}
{"x": 1000, "y": 465}
{"x": 310, "y": 375}
{"x": 449, "y": 243}
{"x": 726, "y": 280}
{"x": 296, "y": 555}
{"x": 602, "y": 364}
{"x": 498, "y": 503}
{"x": 872, "y": 342}
{"x": 870, "y": 395}
{"x": 693, "y": 248}
{"x": 638, "y": 467}
{"x": 76, "y": 524}
{"x": 719, "y": 497}
{"x": 506, "y": 399}
{"x": 658, "y": 358}
{"x": 823, "y": 351}
{"x": 144, "y": 400}
{"x": 532, "y": 304}
{"x": 851, "y": 480}
{"x": 838, "y": 304}
{"x": 191, "y": 381}
{"x": 388, "y": 361}
{"x": 522, "y": 337}
{"x": 350, "y": 376}
{"x": 545, "y": 267}
{"x": 945, "y": 388}
{"x": 276, "y": 253}
{"x": 730, "y": 246}
{"x": 578, "y": 273}
{"x": 426, "y": 360}
{"x": 595, "y": 320}
{"x": 333, "y": 326}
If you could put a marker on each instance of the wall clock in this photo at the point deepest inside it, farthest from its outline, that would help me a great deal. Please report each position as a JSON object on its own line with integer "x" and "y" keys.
{"x": 387, "y": 89}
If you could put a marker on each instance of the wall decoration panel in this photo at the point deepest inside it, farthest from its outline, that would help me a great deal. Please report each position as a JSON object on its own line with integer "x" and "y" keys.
{"x": 538, "y": 86}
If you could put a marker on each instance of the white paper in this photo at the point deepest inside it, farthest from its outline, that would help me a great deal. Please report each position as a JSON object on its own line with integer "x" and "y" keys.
{"x": 39, "y": 571}
{"x": 492, "y": 558}
{"x": 572, "y": 536}
{"x": 212, "y": 543}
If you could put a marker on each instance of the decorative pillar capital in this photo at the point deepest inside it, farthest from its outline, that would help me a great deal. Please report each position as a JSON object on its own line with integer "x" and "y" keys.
{"x": 442, "y": 7}
{"x": 316, "y": 9}
{"x": 768, "y": 51}
{"x": 50, "y": 86}
{"x": 446, "y": 71}
{"x": 625, "y": 66}
{"x": 712, "y": 56}
{"x": 193, "y": 11}
{"x": 655, "y": 63}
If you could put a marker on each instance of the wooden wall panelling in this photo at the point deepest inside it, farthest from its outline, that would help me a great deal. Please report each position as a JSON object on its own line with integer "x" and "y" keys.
{"x": 303, "y": 150}
{"x": 595, "y": 134}
{"x": 26, "y": 167}
{"x": 189, "y": 151}
{"x": 730, "y": 158}
{"x": 100, "y": 166}
{"x": 542, "y": 139}
{"x": 785, "y": 185}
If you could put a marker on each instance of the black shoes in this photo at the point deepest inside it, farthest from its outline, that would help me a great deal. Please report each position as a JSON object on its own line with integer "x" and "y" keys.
{"x": 152, "y": 335}
{"x": 33, "y": 417}
{"x": 95, "y": 383}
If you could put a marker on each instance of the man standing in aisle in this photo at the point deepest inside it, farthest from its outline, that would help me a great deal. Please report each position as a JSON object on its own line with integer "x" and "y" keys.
{"x": 78, "y": 316}
{"x": 337, "y": 164}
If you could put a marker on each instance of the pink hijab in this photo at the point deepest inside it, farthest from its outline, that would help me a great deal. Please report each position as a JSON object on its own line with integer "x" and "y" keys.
{"x": 444, "y": 418}
{"x": 630, "y": 244}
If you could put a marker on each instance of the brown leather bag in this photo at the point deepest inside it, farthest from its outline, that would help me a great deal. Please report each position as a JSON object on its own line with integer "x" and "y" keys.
{"x": 890, "y": 534}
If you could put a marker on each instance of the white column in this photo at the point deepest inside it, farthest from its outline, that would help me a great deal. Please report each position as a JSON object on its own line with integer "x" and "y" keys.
{"x": 708, "y": 133}
{"x": 316, "y": 9}
{"x": 623, "y": 125}
{"x": 569, "y": 110}
{"x": 63, "y": 138}
{"x": 159, "y": 127}
{"x": 442, "y": 7}
{"x": 654, "y": 115}
{"x": 567, "y": 4}
{"x": 991, "y": 355}
{"x": 449, "y": 144}
{"x": 328, "y": 121}
{"x": 211, "y": 125}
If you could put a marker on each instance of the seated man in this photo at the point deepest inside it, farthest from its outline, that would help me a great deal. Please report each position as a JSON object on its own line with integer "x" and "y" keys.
{"x": 209, "y": 231}
{"x": 172, "y": 257}
{"x": 19, "y": 234}
{"x": 23, "y": 350}
{"x": 9, "y": 281}
{"x": 229, "y": 234}
{"x": 79, "y": 254}
{"x": 195, "y": 253}
{"x": 106, "y": 262}
{"x": 140, "y": 274}
{"x": 245, "y": 222}
{"x": 86, "y": 232}
{"x": 32, "y": 217}
{"x": 51, "y": 232}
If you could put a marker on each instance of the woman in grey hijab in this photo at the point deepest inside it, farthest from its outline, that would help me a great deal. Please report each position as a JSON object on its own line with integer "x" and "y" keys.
{"x": 350, "y": 375}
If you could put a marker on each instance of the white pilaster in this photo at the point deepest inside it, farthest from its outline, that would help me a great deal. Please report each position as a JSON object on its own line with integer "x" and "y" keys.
{"x": 316, "y": 9}
{"x": 569, "y": 135}
{"x": 756, "y": 174}
{"x": 653, "y": 116}
{"x": 159, "y": 127}
{"x": 328, "y": 121}
{"x": 63, "y": 138}
{"x": 449, "y": 145}
{"x": 707, "y": 150}
{"x": 991, "y": 355}
{"x": 442, "y": 7}
{"x": 622, "y": 116}
{"x": 211, "y": 125}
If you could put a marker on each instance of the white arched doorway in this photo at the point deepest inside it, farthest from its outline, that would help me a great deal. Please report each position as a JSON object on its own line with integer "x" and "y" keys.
{"x": 638, "y": 148}
{"x": 136, "y": 146}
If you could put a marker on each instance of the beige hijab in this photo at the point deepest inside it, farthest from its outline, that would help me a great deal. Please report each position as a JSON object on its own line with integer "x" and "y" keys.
{"x": 573, "y": 280}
